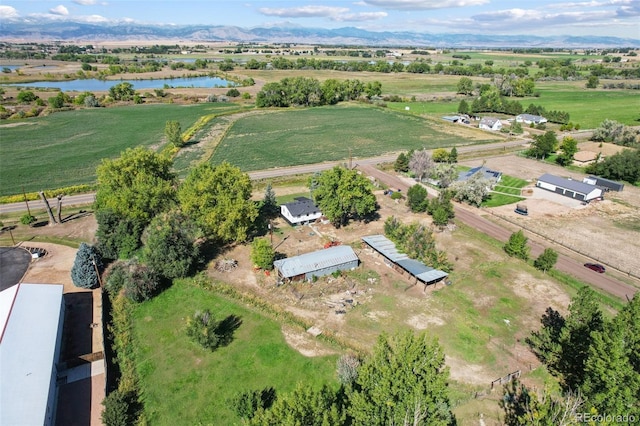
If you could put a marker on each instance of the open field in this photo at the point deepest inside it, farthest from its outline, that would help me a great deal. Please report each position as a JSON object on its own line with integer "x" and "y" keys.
{"x": 65, "y": 148}
{"x": 306, "y": 136}
{"x": 183, "y": 383}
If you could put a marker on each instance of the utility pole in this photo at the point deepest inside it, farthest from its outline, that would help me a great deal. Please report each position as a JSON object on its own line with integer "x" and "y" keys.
{"x": 24, "y": 194}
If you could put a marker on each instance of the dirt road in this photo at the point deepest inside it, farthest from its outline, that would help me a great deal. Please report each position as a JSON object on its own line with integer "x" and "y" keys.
{"x": 565, "y": 263}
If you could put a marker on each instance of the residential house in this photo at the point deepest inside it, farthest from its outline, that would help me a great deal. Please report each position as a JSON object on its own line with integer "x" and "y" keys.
{"x": 487, "y": 173}
{"x": 490, "y": 123}
{"x": 301, "y": 211}
{"x": 530, "y": 118}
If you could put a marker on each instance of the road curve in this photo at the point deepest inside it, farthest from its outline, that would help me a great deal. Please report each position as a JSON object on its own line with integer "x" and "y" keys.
{"x": 564, "y": 264}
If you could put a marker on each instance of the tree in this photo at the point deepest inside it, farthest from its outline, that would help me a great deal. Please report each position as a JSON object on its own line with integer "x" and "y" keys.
{"x": 546, "y": 260}
{"x": 473, "y": 190}
{"x": 140, "y": 282}
{"x": 440, "y": 155}
{"x": 86, "y": 267}
{"x": 344, "y": 194}
{"x": 592, "y": 82}
{"x": 569, "y": 148}
{"x": 233, "y": 93}
{"x": 137, "y": 185}
{"x": 171, "y": 246}
{"x": 122, "y": 91}
{"x": 118, "y": 236}
{"x": 404, "y": 381}
{"x": 463, "y": 107}
{"x": 347, "y": 369}
{"x": 173, "y": 133}
{"x": 516, "y": 128}
{"x": 465, "y": 86}
{"x": 453, "y": 155}
{"x": 417, "y": 198}
{"x": 269, "y": 208}
{"x": 262, "y": 254}
{"x": 304, "y": 406}
{"x": 26, "y": 96}
{"x": 420, "y": 164}
{"x": 625, "y": 165}
{"x": 524, "y": 408}
{"x": 120, "y": 409}
{"x": 247, "y": 403}
{"x": 219, "y": 200}
{"x": 543, "y": 145}
{"x": 517, "y": 246}
{"x": 58, "y": 101}
{"x": 202, "y": 328}
{"x": 445, "y": 174}
{"x": 402, "y": 163}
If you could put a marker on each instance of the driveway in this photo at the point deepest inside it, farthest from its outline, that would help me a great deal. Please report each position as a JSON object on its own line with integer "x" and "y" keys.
{"x": 14, "y": 262}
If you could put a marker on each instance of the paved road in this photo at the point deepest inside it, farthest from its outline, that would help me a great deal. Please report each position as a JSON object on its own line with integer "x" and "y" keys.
{"x": 85, "y": 199}
{"x": 565, "y": 263}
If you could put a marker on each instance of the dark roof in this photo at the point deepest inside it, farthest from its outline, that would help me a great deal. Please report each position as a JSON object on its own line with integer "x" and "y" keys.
{"x": 486, "y": 173}
{"x": 573, "y": 185}
{"x": 607, "y": 183}
{"x": 302, "y": 206}
{"x": 531, "y": 117}
{"x": 314, "y": 261}
{"x": 489, "y": 121}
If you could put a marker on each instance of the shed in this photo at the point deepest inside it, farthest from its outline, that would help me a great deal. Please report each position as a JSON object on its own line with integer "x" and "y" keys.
{"x": 604, "y": 183}
{"x": 396, "y": 259}
{"x": 317, "y": 263}
{"x": 31, "y": 321}
{"x": 569, "y": 187}
{"x": 530, "y": 118}
{"x": 301, "y": 211}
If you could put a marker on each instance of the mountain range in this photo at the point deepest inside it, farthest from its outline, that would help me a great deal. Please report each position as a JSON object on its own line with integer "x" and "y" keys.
{"x": 24, "y": 31}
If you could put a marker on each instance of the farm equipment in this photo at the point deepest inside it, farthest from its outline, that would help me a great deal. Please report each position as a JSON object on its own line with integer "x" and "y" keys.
{"x": 331, "y": 243}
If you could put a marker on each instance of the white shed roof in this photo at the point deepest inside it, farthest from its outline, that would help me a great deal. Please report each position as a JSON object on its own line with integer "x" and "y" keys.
{"x": 309, "y": 262}
{"x": 30, "y": 315}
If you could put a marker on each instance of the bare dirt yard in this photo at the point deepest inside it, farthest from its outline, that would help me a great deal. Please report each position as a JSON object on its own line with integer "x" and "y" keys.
{"x": 606, "y": 230}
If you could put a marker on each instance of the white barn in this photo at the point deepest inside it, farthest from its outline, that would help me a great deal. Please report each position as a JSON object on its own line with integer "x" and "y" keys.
{"x": 31, "y": 320}
{"x": 301, "y": 211}
{"x": 569, "y": 188}
{"x": 490, "y": 123}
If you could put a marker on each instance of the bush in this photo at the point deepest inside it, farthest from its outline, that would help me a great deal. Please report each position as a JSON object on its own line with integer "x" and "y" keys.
{"x": 517, "y": 246}
{"x": 141, "y": 283}
{"x": 347, "y": 367}
{"x": 120, "y": 409}
{"x": 233, "y": 93}
{"x": 397, "y": 196}
{"x": 86, "y": 267}
{"x": 27, "y": 219}
{"x": 246, "y": 403}
{"x": 262, "y": 254}
{"x": 202, "y": 328}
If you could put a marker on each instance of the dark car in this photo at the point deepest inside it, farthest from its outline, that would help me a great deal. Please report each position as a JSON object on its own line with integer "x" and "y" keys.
{"x": 595, "y": 267}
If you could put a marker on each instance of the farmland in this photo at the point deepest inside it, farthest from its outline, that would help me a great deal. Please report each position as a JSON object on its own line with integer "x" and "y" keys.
{"x": 306, "y": 136}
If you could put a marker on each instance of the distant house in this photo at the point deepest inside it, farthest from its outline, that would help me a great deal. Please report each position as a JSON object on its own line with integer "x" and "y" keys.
{"x": 530, "y": 118}
{"x": 31, "y": 322}
{"x": 606, "y": 184}
{"x": 316, "y": 264}
{"x": 301, "y": 211}
{"x": 490, "y": 123}
{"x": 569, "y": 188}
{"x": 486, "y": 173}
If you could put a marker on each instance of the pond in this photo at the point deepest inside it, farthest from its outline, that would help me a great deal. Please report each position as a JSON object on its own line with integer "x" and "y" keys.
{"x": 92, "y": 84}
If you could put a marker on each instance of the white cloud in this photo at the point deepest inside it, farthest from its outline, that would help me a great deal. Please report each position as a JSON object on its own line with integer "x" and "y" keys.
{"x": 59, "y": 10}
{"x": 8, "y": 12}
{"x": 359, "y": 17}
{"x": 93, "y": 18}
{"x": 423, "y": 4}
{"x": 85, "y": 2}
{"x": 304, "y": 11}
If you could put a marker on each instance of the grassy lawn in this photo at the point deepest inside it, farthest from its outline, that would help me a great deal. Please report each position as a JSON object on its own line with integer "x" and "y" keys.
{"x": 184, "y": 384}
{"x": 306, "y": 136}
{"x": 497, "y": 200}
{"x": 64, "y": 148}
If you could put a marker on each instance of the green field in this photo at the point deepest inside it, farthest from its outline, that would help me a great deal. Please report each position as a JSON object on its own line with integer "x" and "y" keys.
{"x": 307, "y": 136}
{"x": 183, "y": 384}
{"x": 64, "y": 148}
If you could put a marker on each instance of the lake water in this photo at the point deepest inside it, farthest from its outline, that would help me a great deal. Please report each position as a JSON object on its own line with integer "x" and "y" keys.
{"x": 92, "y": 84}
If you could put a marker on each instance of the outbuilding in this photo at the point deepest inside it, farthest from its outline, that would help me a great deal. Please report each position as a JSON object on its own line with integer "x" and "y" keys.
{"x": 530, "y": 118}
{"x": 608, "y": 185}
{"x": 317, "y": 263}
{"x": 301, "y": 211}
{"x": 569, "y": 187}
{"x": 490, "y": 123}
{"x": 31, "y": 322}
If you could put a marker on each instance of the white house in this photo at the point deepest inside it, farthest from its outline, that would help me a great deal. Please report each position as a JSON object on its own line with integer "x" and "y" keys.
{"x": 569, "y": 188}
{"x": 530, "y": 118}
{"x": 301, "y": 211}
{"x": 490, "y": 123}
{"x": 31, "y": 321}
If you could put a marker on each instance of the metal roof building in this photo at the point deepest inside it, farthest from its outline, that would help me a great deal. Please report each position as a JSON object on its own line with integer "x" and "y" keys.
{"x": 569, "y": 187}
{"x": 388, "y": 249}
{"x": 607, "y": 184}
{"x": 31, "y": 317}
{"x": 317, "y": 263}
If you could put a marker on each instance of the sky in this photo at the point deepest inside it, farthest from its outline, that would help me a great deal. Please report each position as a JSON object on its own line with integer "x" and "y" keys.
{"x": 618, "y": 18}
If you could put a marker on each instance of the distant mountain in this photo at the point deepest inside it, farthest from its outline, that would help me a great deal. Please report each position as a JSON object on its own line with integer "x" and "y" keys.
{"x": 89, "y": 32}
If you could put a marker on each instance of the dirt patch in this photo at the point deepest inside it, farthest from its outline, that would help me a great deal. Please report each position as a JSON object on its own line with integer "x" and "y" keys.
{"x": 468, "y": 373}
{"x": 423, "y": 322}
{"x": 305, "y": 343}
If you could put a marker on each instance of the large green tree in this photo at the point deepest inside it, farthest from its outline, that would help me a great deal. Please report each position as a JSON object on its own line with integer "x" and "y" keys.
{"x": 543, "y": 145}
{"x": 219, "y": 200}
{"x": 262, "y": 254}
{"x": 404, "y": 381}
{"x": 569, "y": 148}
{"x": 417, "y": 198}
{"x": 138, "y": 185}
{"x": 517, "y": 246}
{"x": 173, "y": 133}
{"x": 344, "y": 194}
{"x": 546, "y": 260}
{"x": 465, "y": 86}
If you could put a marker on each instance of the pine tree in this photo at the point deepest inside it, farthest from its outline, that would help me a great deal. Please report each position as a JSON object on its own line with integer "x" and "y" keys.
{"x": 269, "y": 208}
{"x": 402, "y": 163}
{"x": 83, "y": 272}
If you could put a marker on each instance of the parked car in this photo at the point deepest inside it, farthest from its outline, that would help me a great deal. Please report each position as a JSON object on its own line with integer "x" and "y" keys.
{"x": 595, "y": 267}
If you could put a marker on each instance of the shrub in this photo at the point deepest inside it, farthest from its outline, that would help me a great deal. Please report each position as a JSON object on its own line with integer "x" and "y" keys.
{"x": 347, "y": 366}
{"x": 86, "y": 267}
{"x": 517, "y": 246}
{"x": 262, "y": 253}
{"x": 246, "y": 403}
{"x": 27, "y": 219}
{"x": 120, "y": 409}
{"x": 202, "y": 328}
{"x": 233, "y": 93}
{"x": 397, "y": 196}
{"x": 142, "y": 283}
